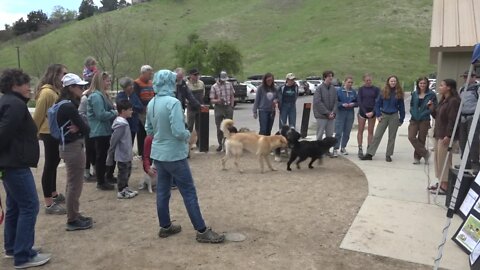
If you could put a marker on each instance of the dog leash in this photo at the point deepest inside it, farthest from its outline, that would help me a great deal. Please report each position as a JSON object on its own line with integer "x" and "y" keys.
{"x": 2, "y": 215}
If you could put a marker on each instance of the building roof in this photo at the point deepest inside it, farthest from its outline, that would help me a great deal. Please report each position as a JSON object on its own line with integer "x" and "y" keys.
{"x": 455, "y": 25}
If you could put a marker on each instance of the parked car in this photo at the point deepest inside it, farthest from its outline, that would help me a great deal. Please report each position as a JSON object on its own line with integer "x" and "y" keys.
{"x": 313, "y": 84}
{"x": 251, "y": 91}
{"x": 208, "y": 81}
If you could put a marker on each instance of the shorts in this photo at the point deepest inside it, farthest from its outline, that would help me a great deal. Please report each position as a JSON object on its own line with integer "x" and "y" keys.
{"x": 362, "y": 115}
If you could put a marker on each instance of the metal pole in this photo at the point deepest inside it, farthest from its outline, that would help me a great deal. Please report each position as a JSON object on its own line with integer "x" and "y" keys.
{"x": 18, "y": 56}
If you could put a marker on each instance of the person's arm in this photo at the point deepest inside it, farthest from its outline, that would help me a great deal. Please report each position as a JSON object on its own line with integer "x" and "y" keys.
{"x": 355, "y": 99}
{"x": 137, "y": 105}
{"x": 232, "y": 95}
{"x": 401, "y": 109}
{"x": 191, "y": 99}
{"x": 147, "y": 150}
{"x": 76, "y": 119}
{"x": 177, "y": 123}
{"x": 150, "y": 117}
{"x": 340, "y": 100}
{"x": 258, "y": 98}
{"x": 97, "y": 104}
{"x": 321, "y": 109}
{"x": 378, "y": 107}
{"x": 452, "y": 111}
{"x": 43, "y": 103}
{"x": 117, "y": 135}
{"x": 10, "y": 120}
{"x": 361, "y": 106}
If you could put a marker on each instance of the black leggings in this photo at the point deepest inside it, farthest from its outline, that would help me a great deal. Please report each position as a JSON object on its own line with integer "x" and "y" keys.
{"x": 141, "y": 134}
{"x": 89, "y": 152}
{"x": 52, "y": 158}
{"x": 101, "y": 151}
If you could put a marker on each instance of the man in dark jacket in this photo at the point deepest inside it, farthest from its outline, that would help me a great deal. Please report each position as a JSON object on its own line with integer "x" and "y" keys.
{"x": 19, "y": 150}
{"x": 198, "y": 90}
{"x": 183, "y": 93}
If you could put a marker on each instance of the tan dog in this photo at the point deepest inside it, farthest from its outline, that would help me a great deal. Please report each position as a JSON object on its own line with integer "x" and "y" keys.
{"x": 260, "y": 145}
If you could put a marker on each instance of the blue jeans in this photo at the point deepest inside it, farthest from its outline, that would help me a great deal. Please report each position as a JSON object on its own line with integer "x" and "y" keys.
{"x": 266, "y": 119}
{"x": 181, "y": 174}
{"x": 343, "y": 127}
{"x": 22, "y": 210}
{"x": 288, "y": 111}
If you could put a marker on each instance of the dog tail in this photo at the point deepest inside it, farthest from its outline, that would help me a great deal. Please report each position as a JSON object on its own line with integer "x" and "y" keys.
{"x": 225, "y": 127}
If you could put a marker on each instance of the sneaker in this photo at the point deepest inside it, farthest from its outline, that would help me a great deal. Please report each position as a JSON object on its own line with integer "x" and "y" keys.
{"x": 10, "y": 255}
{"x": 59, "y": 198}
{"x": 388, "y": 159}
{"x": 105, "y": 186}
{"x": 85, "y": 218}
{"x": 55, "y": 209}
{"x": 209, "y": 236}
{"x": 360, "y": 152}
{"x": 219, "y": 148}
{"x": 166, "y": 232}
{"x": 334, "y": 154}
{"x": 344, "y": 151}
{"x": 39, "y": 260}
{"x": 124, "y": 194}
{"x": 134, "y": 192}
{"x": 366, "y": 157}
{"x": 416, "y": 161}
{"x": 79, "y": 224}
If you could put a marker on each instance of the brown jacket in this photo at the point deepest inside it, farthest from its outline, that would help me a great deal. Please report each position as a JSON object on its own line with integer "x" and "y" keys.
{"x": 445, "y": 115}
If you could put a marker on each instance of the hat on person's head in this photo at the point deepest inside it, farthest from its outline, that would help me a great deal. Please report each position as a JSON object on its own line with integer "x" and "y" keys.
{"x": 290, "y": 76}
{"x": 465, "y": 74}
{"x": 72, "y": 79}
{"x": 145, "y": 68}
{"x": 223, "y": 76}
{"x": 193, "y": 71}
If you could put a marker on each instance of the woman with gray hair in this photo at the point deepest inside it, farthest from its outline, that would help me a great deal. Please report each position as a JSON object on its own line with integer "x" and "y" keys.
{"x": 129, "y": 94}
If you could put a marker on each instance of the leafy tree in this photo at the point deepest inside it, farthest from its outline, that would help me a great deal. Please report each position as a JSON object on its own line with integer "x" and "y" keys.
{"x": 109, "y": 5}
{"x": 20, "y": 27}
{"x": 224, "y": 55}
{"x": 7, "y": 26}
{"x": 87, "y": 9}
{"x": 61, "y": 14}
{"x": 193, "y": 54}
{"x": 35, "y": 19}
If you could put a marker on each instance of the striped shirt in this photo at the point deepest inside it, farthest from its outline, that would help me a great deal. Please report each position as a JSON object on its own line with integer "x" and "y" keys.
{"x": 223, "y": 91}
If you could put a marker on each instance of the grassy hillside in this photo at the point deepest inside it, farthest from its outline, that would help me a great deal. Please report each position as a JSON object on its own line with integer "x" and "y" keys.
{"x": 301, "y": 36}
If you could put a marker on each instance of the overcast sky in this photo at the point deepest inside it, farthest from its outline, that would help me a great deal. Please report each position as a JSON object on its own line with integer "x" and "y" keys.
{"x": 12, "y": 10}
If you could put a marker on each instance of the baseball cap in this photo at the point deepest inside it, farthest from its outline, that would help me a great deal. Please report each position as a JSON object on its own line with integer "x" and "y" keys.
{"x": 193, "y": 71}
{"x": 72, "y": 79}
{"x": 290, "y": 76}
{"x": 223, "y": 76}
{"x": 465, "y": 74}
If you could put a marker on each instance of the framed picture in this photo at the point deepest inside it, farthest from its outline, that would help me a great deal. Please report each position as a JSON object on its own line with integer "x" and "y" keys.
{"x": 468, "y": 235}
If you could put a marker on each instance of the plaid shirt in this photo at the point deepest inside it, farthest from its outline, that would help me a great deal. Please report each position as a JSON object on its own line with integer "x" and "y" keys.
{"x": 223, "y": 91}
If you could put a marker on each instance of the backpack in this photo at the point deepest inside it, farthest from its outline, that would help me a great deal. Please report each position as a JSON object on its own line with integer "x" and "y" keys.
{"x": 56, "y": 131}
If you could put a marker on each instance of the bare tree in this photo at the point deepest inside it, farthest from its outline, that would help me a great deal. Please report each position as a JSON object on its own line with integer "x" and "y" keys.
{"x": 39, "y": 57}
{"x": 148, "y": 42}
{"x": 105, "y": 40}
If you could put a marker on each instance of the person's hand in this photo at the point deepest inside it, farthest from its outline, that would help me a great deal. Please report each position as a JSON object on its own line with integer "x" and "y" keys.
{"x": 429, "y": 103}
{"x": 351, "y": 105}
{"x": 446, "y": 141}
{"x": 152, "y": 172}
{"x": 331, "y": 116}
{"x": 400, "y": 124}
{"x": 369, "y": 114}
{"x": 346, "y": 105}
{"x": 73, "y": 129}
{"x": 255, "y": 116}
{"x": 380, "y": 118}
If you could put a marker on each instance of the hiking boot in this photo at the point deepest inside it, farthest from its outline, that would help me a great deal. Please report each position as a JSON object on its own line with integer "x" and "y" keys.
{"x": 79, "y": 224}
{"x": 366, "y": 157}
{"x": 219, "y": 148}
{"x": 55, "y": 209}
{"x": 11, "y": 256}
{"x": 105, "y": 186}
{"x": 39, "y": 260}
{"x": 388, "y": 159}
{"x": 166, "y": 232}
{"x": 209, "y": 236}
{"x": 344, "y": 151}
{"x": 59, "y": 198}
{"x": 124, "y": 194}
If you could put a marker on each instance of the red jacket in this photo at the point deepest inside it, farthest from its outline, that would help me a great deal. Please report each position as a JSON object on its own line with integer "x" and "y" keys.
{"x": 147, "y": 149}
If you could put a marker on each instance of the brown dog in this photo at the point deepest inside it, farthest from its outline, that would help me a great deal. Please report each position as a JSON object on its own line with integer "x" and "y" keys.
{"x": 262, "y": 146}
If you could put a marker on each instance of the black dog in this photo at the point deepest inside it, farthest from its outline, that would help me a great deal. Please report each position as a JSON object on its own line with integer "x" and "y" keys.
{"x": 307, "y": 149}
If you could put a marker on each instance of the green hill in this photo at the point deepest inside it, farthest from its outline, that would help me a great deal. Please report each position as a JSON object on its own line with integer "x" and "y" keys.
{"x": 382, "y": 37}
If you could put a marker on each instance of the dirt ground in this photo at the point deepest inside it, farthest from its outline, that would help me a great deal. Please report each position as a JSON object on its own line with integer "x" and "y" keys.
{"x": 291, "y": 220}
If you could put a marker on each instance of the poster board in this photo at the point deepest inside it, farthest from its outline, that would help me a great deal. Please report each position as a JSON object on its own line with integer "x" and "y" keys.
{"x": 470, "y": 199}
{"x": 468, "y": 235}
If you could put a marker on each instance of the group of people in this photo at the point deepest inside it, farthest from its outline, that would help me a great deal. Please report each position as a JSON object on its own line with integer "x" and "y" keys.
{"x": 97, "y": 133}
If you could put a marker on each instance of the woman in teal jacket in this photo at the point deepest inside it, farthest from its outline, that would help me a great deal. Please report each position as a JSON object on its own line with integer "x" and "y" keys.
{"x": 420, "y": 119}
{"x": 100, "y": 115}
{"x": 165, "y": 121}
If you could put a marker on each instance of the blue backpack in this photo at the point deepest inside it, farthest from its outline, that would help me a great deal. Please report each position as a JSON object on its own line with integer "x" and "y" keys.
{"x": 56, "y": 131}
